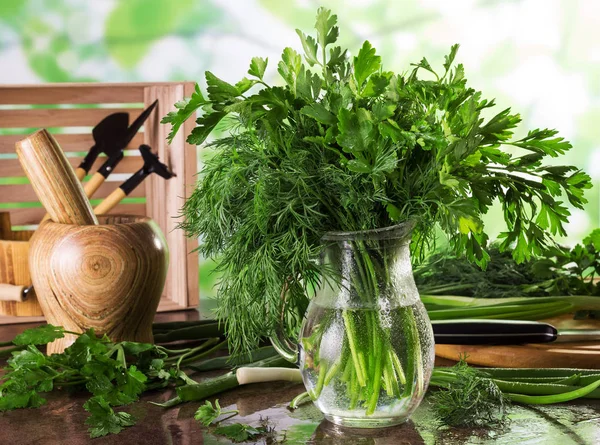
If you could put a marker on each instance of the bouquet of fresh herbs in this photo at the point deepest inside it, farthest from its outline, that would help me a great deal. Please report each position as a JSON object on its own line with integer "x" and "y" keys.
{"x": 344, "y": 145}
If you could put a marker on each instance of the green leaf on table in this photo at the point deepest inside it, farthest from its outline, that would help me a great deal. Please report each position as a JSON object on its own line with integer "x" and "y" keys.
{"x": 366, "y": 63}
{"x": 240, "y": 432}
{"x": 207, "y": 414}
{"x": 103, "y": 419}
{"x": 39, "y": 336}
{"x": 135, "y": 348}
{"x": 185, "y": 108}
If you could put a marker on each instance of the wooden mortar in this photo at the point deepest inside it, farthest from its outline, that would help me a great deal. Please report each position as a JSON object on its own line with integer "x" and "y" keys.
{"x": 109, "y": 277}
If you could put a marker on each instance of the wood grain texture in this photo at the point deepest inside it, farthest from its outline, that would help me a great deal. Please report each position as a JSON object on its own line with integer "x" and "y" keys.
{"x": 5, "y": 226}
{"x": 129, "y": 164}
{"x": 25, "y": 193}
{"x": 166, "y": 198}
{"x": 14, "y": 270}
{"x": 191, "y": 169}
{"x": 108, "y": 277}
{"x": 54, "y": 180}
{"x": 32, "y": 216}
{"x": 71, "y": 94}
{"x": 137, "y": 96}
{"x": 75, "y": 93}
{"x": 60, "y": 117}
{"x": 551, "y": 355}
{"x": 68, "y": 142}
{"x": 545, "y": 355}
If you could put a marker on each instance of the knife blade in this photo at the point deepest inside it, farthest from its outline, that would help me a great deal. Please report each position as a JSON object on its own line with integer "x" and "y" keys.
{"x": 506, "y": 332}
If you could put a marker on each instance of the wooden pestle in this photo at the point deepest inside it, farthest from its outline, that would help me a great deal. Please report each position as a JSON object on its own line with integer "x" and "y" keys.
{"x": 54, "y": 180}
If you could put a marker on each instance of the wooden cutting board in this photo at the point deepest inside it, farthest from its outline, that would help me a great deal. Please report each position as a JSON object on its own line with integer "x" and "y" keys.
{"x": 545, "y": 355}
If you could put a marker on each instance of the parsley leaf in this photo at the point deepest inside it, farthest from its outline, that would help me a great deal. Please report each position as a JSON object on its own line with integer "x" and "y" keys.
{"x": 185, "y": 108}
{"x": 289, "y": 67}
{"x": 40, "y": 335}
{"x": 327, "y": 32}
{"x": 207, "y": 414}
{"x": 103, "y": 419}
{"x": 258, "y": 67}
{"x": 366, "y": 63}
{"x": 240, "y": 432}
{"x": 219, "y": 90}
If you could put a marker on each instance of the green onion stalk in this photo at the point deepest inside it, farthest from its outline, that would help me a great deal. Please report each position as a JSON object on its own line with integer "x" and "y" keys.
{"x": 449, "y": 307}
{"x": 361, "y": 344}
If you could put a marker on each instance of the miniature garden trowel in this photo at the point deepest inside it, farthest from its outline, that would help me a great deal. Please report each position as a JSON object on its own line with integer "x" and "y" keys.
{"x": 105, "y": 135}
{"x": 151, "y": 165}
{"x": 118, "y": 143}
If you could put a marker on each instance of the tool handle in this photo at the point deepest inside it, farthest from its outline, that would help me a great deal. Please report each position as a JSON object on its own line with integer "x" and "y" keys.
{"x": 80, "y": 173}
{"x": 110, "y": 202}
{"x": 134, "y": 180}
{"x": 54, "y": 180}
{"x": 93, "y": 184}
{"x": 492, "y": 332}
{"x": 12, "y": 292}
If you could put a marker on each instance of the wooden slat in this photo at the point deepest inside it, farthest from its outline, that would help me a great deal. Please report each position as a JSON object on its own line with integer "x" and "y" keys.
{"x": 166, "y": 198}
{"x": 191, "y": 169}
{"x": 129, "y": 164}
{"x": 25, "y": 192}
{"x": 60, "y": 94}
{"x": 25, "y": 217}
{"x": 68, "y": 142}
{"x": 60, "y": 117}
{"x": 76, "y": 93}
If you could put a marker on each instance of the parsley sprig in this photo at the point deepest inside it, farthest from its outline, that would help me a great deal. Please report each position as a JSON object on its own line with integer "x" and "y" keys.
{"x": 345, "y": 145}
{"x": 115, "y": 374}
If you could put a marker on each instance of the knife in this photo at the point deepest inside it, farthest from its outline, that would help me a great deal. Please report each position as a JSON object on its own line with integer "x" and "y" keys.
{"x": 505, "y": 332}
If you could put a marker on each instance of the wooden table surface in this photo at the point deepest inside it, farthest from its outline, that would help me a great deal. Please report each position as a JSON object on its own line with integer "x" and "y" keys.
{"x": 61, "y": 421}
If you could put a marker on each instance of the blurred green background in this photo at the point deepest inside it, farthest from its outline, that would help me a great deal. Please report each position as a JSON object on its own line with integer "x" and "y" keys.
{"x": 541, "y": 57}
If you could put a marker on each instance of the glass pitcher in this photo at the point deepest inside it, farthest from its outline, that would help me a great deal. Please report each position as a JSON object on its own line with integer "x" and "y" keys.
{"x": 366, "y": 348}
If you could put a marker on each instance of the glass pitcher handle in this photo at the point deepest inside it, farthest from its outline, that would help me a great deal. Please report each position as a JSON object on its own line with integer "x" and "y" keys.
{"x": 281, "y": 342}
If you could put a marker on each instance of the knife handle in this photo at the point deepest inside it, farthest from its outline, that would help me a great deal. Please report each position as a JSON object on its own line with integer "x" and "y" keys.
{"x": 492, "y": 332}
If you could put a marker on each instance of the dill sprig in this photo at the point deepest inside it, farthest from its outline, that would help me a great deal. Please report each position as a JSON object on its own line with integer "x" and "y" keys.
{"x": 468, "y": 398}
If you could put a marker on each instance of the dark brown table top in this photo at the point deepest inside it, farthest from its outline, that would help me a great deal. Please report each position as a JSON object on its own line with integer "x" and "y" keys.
{"x": 61, "y": 422}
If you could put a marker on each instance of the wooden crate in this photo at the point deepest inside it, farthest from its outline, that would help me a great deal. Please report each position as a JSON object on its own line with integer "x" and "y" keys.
{"x": 70, "y": 111}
